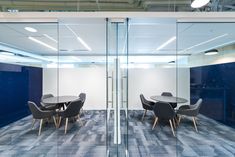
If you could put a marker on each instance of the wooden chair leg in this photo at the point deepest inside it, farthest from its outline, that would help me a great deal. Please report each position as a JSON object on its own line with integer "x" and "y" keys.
{"x": 174, "y": 124}
{"x": 172, "y": 129}
{"x": 66, "y": 125}
{"x": 34, "y": 120}
{"x": 155, "y": 122}
{"x": 56, "y": 125}
{"x": 179, "y": 120}
{"x": 195, "y": 125}
{"x": 59, "y": 121}
{"x": 40, "y": 128}
{"x": 145, "y": 111}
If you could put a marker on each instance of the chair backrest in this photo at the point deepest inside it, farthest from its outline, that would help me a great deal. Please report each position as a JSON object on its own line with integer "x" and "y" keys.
{"x": 142, "y": 98}
{"x": 196, "y": 107}
{"x": 82, "y": 96}
{"x": 163, "y": 110}
{"x": 166, "y": 94}
{"x": 73, "y": 108}
{"x": 36, "y": 112}
{"x": 144, "y": 102}
{"x": 46, "y": 96}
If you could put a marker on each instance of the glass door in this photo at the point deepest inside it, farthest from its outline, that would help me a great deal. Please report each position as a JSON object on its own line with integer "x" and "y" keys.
{"x": 117, "y": 86}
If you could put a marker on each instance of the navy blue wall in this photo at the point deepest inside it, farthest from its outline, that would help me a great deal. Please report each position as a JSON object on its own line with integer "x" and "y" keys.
{"x": 18, "y": 84}
{"x": 216, "y": 85}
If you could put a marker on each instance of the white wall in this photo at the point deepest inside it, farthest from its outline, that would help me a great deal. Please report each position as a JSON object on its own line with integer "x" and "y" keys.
{"x": 92, "y": 81}
{"x": 155, "y": 81}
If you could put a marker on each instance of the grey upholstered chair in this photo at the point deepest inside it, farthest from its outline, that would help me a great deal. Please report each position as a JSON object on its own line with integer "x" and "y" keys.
{"x": 82, "y": 96}
{"x": 39, "y": 114}
{"x": 174, "y": 105}
{"x": 166, "y": 94}
{"x": 45, "y": 106}
{"x": 71, "y": 111}
{"x": 46, "y": 96}
{"x": 191, "y": 111}
{"x": 146, "y": 104}
{"x": 163, "y": 110}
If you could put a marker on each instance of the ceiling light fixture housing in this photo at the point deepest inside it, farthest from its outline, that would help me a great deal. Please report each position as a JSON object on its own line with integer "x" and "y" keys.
{"x": 211, "y": 52}
{"x": 171, "y": 62}
{"x": 199, "y": 3}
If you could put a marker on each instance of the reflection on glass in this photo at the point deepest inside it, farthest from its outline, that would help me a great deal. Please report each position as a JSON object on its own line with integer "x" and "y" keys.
{"x": 211, "y": 78}
{"x": 24, "y": 51}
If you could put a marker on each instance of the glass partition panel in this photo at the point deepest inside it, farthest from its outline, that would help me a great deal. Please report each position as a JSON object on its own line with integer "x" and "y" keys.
{"x": 205, "y": 70}
{"x": 82, "y": 75}
{"x": 24, "y": 58}
{"x": 152, "y": 72}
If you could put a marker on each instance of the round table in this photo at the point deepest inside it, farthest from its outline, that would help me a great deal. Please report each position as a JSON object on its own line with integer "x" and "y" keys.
{"x": 169, "y": 99}
{"x": 59, "y": 99}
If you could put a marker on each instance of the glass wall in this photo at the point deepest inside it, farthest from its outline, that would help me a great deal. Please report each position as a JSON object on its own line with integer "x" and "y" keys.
{"x": 24, "y": 55}
{"x": 209, "y": 60}
{"x": 112, "y": 62}
{"x": 82, "y": 69}
{"x": 152, "y": 72}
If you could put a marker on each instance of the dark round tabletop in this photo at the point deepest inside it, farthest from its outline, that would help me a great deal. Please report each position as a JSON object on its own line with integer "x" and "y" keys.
{"x": 59, "y": 99}
{"x": 169, "y": 99}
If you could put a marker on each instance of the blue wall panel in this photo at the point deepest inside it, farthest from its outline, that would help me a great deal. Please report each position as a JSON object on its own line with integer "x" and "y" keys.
{"x": 18, "y": 84}
{"x": 216, "y": 85}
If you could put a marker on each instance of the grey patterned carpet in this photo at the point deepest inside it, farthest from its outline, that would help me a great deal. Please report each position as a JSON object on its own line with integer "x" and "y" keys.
{"x": 212, "y": 140}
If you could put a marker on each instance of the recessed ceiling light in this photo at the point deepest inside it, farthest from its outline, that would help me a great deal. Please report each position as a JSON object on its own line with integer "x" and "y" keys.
{"x": 199, "y": 3}
{"x": 211, "y": 52}
{"x": 51, "y": 38}
{"x": 84, "y": 43}
{"x": 7, "y": 53}
{"x": 42, "y": 43}
{"x": 204, "y": 42}
{"x": 79, "y": 39}
{"x": 30, "y": 29}
{"x": 166, "y": 43}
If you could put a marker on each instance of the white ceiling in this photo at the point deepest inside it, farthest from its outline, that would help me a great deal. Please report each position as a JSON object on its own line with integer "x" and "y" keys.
{"x": 145, "y": 36}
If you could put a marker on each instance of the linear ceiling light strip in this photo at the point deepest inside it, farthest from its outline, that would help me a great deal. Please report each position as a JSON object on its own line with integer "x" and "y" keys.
{"x": 42, "y": 43}
{"x": 79, "y": 39}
